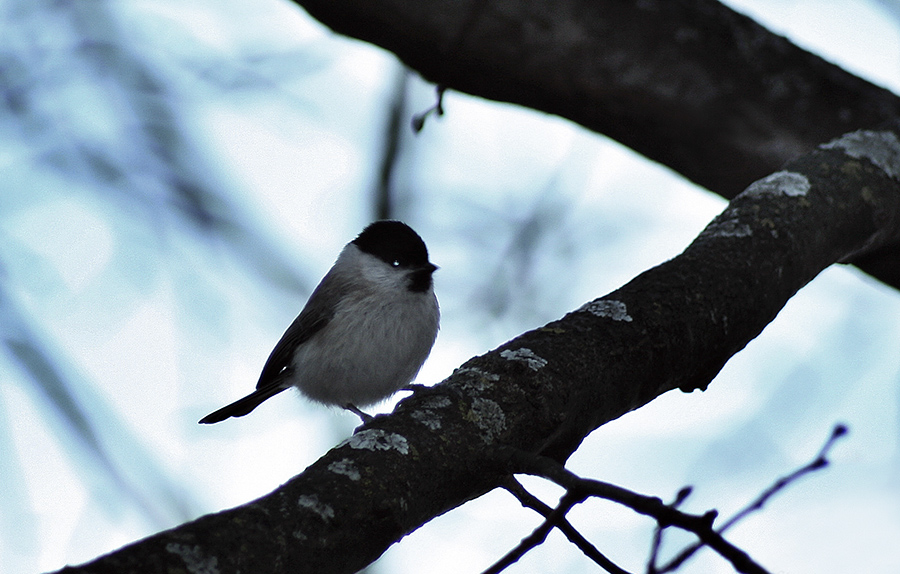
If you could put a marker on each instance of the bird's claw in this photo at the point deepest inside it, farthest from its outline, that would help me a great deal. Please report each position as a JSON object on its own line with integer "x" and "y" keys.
{"x": 364, "y": 416}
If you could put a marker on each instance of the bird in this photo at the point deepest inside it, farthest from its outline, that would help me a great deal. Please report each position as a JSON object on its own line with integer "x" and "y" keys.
{"x": 365, "y": 331}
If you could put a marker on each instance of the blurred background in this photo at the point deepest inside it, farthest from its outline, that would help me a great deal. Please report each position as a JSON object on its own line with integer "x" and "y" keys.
{"x": 175, "y": 177}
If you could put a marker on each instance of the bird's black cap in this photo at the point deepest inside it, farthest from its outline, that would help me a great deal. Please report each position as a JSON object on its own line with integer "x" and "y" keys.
{"x": 395, "y": 243}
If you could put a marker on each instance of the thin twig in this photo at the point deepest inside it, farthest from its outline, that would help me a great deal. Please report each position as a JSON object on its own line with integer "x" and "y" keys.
{"x": 418, "y": 120}
{"x": 537, "y": 536}
{"x": 658, "y": 531}
{"x": 821, "y": 461}
{"x": 581, "y": 488}
{"x": 528, "y": 500}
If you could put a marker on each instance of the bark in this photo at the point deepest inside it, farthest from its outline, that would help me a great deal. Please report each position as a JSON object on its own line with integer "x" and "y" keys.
{"x": 672, "y": 327}
{"x": 691, "y": 84}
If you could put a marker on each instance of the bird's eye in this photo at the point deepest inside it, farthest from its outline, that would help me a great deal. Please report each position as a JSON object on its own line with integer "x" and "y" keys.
{"x": 395, "y": 263}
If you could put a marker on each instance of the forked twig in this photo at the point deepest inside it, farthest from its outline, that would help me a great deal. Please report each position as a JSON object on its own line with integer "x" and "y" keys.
{"x": 418, "y": 120}
{"x": 657, "y": 532}
{"x": 819, "y": 462}
{"x": 578, "y": 489}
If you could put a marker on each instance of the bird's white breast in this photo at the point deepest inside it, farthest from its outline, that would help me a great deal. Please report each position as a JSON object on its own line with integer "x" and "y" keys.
{"x": 375, "y": 343}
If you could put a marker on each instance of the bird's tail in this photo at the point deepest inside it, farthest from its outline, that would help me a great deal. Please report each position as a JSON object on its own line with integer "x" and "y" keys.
{"x": 242, "y": 406}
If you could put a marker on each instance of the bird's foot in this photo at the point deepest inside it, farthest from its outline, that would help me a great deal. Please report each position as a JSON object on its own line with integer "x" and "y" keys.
{"x": 413, "y": 387}
{"x": 352, "y": 408}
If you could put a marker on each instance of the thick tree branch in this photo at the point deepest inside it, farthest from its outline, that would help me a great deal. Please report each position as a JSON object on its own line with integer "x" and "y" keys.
{"x": 691, "y": 84}
{"x": 672, "y": 327}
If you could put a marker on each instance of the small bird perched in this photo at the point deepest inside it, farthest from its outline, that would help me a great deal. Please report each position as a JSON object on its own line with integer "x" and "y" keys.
{"x": 365, "y": 331}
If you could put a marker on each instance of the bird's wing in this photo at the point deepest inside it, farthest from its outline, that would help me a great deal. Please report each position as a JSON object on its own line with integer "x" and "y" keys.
{"x": 313, "y": 318}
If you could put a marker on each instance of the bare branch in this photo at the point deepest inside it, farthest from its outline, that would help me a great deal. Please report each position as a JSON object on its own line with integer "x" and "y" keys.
{"x": 556, "y": 516}
{"x": 578, "y": 489}
{"x": 528, "y": 500}
{"x": 418, "y": 120}
{"x": 819, "y": 462}
{"x": 657, "y": 532}
{"x": 692, "y": 84}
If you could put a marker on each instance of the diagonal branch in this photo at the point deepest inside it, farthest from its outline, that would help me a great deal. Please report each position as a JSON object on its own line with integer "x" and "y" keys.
{"x": 672, "y": 327}
{"x": 691, "y": 84}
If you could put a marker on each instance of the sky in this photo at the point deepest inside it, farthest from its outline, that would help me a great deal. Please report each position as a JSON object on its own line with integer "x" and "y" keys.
{"x": 142, "y": 309}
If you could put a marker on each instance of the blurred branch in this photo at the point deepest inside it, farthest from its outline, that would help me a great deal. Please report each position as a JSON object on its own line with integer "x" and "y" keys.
{"x": 83, "y": 102}
{"x": 144, "y": 164}
{"x": 437, "y": 109}
{"x": 528, "y": 234}
{"x": 135, "y": 477}
{"x": 691, "y": 84}
{"x": 385, "y": 191}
